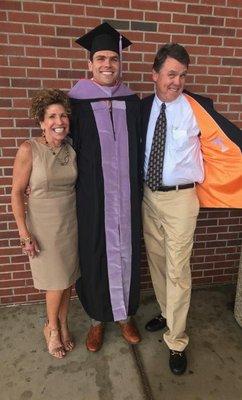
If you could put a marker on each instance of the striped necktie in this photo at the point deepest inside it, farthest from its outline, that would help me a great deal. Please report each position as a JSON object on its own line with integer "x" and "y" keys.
{"x": 156, "y": 160}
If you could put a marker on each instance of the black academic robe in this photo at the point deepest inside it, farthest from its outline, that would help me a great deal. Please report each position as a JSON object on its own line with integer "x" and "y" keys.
{"x": 93, "y": 285}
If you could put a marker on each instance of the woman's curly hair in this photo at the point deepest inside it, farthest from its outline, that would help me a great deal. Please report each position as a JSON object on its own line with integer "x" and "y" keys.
{"x": 45, "y": 98}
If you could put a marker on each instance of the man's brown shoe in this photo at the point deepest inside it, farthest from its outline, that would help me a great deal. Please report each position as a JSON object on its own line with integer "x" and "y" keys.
{"x": 95, "y": 338}
{"x": 129, "y": 332}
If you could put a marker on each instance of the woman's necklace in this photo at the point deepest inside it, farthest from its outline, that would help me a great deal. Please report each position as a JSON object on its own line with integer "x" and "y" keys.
{"x": 64, "y": 160}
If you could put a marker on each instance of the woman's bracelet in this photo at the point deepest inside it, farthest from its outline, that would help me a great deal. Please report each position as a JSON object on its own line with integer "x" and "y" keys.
{"x": 25, "y": 240}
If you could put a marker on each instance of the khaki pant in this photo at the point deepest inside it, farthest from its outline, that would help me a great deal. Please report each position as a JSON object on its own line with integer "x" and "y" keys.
{"x": 169, "y": 221}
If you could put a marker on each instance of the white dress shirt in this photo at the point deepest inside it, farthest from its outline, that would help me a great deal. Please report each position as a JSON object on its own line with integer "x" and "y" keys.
{"x": 183, "y": 161}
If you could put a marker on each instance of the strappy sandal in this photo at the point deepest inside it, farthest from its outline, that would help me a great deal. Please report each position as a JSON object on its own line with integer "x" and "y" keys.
{"x": 66, "y": 338}
{"x": 50, "y": 336}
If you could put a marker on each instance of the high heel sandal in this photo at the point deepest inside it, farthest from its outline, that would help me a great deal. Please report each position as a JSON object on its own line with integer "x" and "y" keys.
{"x": 66, "y": 338}
{"x": 50, "y": 335}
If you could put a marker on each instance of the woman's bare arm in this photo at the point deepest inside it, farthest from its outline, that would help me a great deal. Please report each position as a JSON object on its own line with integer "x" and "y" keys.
{"x": 21, "y": 174}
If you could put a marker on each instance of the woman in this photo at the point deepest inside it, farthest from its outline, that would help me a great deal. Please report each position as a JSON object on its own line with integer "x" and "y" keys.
{"x": 48, "y": 234}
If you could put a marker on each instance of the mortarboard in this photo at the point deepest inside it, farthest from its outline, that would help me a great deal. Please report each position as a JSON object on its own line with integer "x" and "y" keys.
{"x": 103, "y": 37}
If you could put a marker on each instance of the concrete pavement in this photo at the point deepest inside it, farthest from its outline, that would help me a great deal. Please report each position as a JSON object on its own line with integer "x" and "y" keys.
{"x": 28, "y": 372}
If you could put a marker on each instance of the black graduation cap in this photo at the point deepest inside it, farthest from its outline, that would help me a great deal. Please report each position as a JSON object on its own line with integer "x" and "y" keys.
{"x": 103, "y": 37}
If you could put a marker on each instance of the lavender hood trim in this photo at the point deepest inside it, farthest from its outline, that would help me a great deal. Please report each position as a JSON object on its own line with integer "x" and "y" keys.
{"x": 86, "y": 89}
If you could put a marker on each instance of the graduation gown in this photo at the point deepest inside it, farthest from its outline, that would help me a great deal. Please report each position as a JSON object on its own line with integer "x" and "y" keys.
{"x": 105, "y": 128}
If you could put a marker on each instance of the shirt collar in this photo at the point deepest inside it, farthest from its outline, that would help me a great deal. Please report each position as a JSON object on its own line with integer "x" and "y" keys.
{"x": 169, "y": 103}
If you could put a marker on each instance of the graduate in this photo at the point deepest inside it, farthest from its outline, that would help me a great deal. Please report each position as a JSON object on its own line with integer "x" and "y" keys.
{"x": 105, "y": 129}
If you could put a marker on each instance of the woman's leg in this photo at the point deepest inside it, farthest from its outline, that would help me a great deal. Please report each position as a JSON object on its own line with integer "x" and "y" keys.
{"x": 51, "y": 329}
{"x": 63, "y": 312}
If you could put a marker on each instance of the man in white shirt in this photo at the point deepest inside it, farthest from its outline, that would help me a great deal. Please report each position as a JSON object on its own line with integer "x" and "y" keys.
{"x": 186, "y": 143}
{"x": 170, "y": 208}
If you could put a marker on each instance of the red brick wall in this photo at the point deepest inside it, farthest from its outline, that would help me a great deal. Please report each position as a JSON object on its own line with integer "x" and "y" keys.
{"x": 37, "y": 49}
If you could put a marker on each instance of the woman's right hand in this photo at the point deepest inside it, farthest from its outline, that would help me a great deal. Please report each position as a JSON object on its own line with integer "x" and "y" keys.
{"x": 27, "y": 191}
{"x": 31, "y": 248}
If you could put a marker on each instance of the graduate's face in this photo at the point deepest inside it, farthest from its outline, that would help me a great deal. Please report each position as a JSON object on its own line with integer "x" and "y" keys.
{"x": 105, "y": 67}
{"x": 170, "y": 79}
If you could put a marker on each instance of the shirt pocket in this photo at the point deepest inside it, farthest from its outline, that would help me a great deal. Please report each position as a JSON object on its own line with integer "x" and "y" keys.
{"x": 180, "y": 139}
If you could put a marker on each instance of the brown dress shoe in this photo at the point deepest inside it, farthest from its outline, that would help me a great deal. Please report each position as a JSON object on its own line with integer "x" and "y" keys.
{"x": 129, "y": 332}
{"x": 95, "y": 338}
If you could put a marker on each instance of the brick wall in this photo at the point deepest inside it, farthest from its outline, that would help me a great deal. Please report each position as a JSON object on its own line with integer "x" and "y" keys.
{"x": 37, "y": 49}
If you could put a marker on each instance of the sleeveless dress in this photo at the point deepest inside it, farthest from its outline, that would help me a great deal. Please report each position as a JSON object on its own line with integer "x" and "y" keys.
{"x": 51, "y": 217}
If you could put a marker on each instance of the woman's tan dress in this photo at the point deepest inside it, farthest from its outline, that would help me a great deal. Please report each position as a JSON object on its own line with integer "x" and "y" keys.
{"x": 51, "y": 217}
